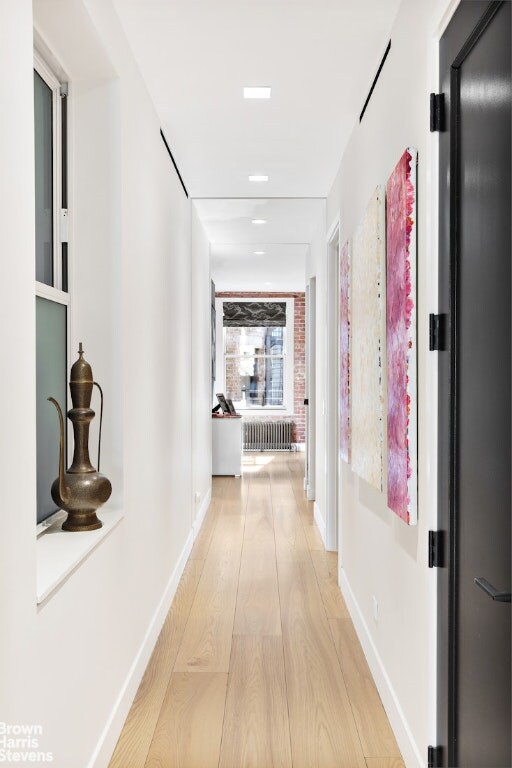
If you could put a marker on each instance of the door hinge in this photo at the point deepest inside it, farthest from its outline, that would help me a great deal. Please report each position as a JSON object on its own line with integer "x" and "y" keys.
{"x": 435, "y": 549}
{"x": 306, "y": 401}
{"x": 436, "y": 112}
{"x": 436, "y": 334}
{"x": 435, "y": 757}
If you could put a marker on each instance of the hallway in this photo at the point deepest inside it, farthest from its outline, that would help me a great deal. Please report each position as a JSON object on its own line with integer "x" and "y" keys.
{"x": 258, "y": 663}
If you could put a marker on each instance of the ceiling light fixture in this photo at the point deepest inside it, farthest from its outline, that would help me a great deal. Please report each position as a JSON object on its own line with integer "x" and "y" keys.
{"x": 257, "y": 92}
{"x": 260, "y": 177}
{"x": 259, "y": 253}
{"x": 258, "y": 221}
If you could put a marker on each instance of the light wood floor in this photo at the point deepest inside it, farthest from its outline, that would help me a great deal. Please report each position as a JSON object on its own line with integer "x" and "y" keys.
{"x": 258, "y": 664}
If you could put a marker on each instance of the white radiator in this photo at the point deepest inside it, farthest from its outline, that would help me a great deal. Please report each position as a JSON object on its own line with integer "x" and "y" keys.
{"x": 267, "y": 435}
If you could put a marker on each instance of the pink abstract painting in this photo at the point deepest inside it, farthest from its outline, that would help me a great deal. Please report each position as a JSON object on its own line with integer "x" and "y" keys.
{"x": 344, "y": 399}
{"x": 401, "y": 338}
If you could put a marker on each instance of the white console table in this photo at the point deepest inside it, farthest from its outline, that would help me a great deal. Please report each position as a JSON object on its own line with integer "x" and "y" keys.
{"x": 227, "y": 445}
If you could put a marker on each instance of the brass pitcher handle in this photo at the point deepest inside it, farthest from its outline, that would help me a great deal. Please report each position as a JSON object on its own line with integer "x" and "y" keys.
{"x": 62, "y": 487}
{"x": 101, "y": 423}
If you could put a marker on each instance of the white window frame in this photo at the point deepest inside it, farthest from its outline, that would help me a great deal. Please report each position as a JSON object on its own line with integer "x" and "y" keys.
{"x": 288, "y": 407}
{"x": 42, "y": 290}
{"x": 54, "y": 84}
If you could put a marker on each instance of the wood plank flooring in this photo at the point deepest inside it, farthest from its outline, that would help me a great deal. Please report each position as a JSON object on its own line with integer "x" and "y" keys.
{"x": 258, "y": 664}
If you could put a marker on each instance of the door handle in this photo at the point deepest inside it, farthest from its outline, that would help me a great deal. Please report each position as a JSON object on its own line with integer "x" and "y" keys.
{"x": 500, "y": 597}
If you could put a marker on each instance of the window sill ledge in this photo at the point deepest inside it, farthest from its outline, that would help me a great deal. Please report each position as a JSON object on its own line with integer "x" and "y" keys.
{"x": 59, "y": 552}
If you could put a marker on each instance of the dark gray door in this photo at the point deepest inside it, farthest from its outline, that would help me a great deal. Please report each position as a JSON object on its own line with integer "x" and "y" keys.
{"x": 475, "y": 388}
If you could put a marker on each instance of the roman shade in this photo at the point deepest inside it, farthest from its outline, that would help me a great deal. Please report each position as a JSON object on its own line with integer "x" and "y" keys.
{"x": 251, "y": 314}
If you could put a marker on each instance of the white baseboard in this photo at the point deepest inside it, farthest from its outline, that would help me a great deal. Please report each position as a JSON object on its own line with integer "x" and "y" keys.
{"x": 108, "y": 739}
{"x": 299, "y": 446}
{"x": 310, "y": 493}
{"x": 406, "y": 742}
{"x": 319, "y": 520}
{"x": 201, "y": 512}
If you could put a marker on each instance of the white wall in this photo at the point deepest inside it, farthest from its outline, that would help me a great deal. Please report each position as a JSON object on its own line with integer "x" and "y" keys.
{"x": 73, "y": 664}
{"x": 379, "y": 554}
{"x": 201, "y": 367}
{"x": 316, "y": 266}
{"x": 17, "y": 380}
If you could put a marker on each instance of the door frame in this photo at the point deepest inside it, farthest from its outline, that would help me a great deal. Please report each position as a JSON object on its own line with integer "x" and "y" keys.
{"x": 429, "y": 428}
{"x": 331, "y": 393}
{"x": 431, "y": 373}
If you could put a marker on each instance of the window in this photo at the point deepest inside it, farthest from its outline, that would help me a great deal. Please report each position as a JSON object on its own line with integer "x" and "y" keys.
{"x": 45, "y": 193}
{"x": 254, "y": 359}
{"x": 51, "y": 275}
{"x": 257, "y": 340}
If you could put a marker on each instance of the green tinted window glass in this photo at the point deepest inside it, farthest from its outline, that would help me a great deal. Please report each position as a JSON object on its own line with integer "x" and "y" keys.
{"x": 51, "y": 345}
{"x": 43, "y": 137}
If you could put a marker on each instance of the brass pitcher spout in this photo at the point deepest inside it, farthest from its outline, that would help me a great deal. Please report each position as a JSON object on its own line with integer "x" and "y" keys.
{"x": 63, "y": 491}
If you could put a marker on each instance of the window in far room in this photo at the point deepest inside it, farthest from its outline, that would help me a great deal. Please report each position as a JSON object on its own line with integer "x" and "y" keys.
{"x": 255, "y": 366}
{"x": 256, "y": 353}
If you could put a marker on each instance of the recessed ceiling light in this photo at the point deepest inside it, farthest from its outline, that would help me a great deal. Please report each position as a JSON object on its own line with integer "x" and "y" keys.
{"x": 258, "y": 221}
{"x": 259, "y": 253}
{"x": 257, "y": 92}
{"x": 268, "y": 283}
{"x": 257, "y": 177}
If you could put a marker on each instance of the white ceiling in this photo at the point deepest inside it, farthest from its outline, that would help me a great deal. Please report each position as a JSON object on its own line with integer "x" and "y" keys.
{"x": 318, "y": 56}
{"x": 290, "y": 227}
{"x": 236, "y": 268}
{"x": 287, "y": 221}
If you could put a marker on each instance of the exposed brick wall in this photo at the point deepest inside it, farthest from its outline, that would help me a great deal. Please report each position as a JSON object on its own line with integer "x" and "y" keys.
{"x": 299, "y": 362}
{"x": 299, "y": 340}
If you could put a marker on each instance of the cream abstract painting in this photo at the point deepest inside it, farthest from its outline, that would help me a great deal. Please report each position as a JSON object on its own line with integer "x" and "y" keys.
{"x": 368, "y": 341}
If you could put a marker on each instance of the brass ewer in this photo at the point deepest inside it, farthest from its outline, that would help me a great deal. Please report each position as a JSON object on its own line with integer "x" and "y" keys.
{"x": 82, "y": 489}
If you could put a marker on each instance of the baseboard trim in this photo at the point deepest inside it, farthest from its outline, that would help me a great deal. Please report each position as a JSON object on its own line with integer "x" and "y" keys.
{"x": 108, "y": 739}
{"x": 319, "y": 520}
{"x": 406, "y": 743}
{"x": 310, "y": 493}
{"x": 299, "y": 447}
{"x": 201, "y": 512}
